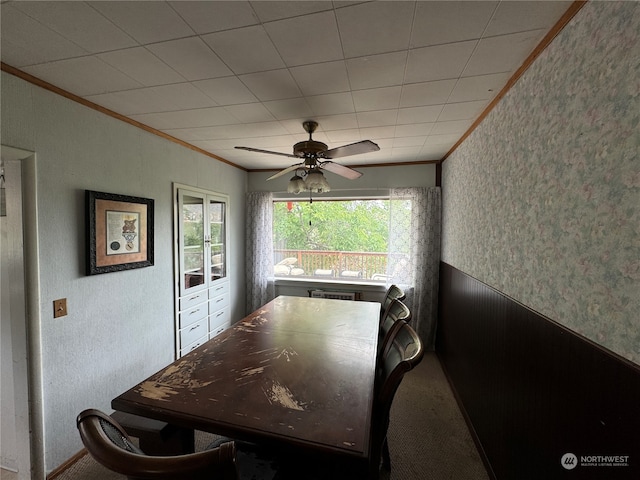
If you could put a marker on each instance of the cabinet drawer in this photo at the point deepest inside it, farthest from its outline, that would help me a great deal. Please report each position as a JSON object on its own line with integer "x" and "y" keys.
{"x": 191, "y": 333}
{"x": 195, "y": 298}
{"x": 193, "y": 314}
{"x": 218, "y": 318}
{"x": 218, "y": 303}
{"x": 193, "y": 345}
{"x": 218, "y": 330}
{"x": 218, "y": 289}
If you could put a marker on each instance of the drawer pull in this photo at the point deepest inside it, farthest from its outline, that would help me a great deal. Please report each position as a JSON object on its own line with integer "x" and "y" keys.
{"x": 193, "y": 328}
{"x": 219, "y": 300}
{"x": 220, "y": 314}
{"x": 194, "y": 297}
{"x": 194, "y": 347}
{"x": 194, "y": 311}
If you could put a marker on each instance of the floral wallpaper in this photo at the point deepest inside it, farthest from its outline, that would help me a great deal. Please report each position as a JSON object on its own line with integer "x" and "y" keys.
{"x": 542, "y": 201}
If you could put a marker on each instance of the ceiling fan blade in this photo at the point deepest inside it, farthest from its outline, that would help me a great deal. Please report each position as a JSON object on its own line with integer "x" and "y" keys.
{"x": 285, "y": 171}
{"x": 364, "y": 146}
{"x": 267, "y": 151}
{"x": 341, "y": 170}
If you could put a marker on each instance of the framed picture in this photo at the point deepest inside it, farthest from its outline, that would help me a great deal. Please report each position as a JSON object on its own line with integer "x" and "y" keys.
{"x": 119, "y": 232}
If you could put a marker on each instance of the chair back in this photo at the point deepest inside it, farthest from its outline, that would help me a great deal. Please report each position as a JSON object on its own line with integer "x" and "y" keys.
{"x": 396, "y": 312}
{"x": 404, "y": 352}
{"x": 108, "y": 443}
{"x": 393, "y": 292}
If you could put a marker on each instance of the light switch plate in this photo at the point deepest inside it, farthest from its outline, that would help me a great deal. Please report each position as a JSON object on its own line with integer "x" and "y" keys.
{"x": 59, "y": 308}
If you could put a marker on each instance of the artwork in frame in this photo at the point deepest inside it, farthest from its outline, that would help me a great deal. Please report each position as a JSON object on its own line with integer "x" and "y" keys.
{"x": 119, "y": 232}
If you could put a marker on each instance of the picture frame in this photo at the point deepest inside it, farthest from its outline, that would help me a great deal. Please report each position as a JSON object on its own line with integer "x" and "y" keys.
{"x": 119, "y": 232}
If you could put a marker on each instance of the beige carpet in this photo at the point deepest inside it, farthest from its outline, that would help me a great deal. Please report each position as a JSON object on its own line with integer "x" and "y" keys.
{"x": 428, "y": 437}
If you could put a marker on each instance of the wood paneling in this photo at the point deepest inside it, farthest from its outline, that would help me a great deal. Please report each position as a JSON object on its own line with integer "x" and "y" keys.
{"x": 533, "y": 390}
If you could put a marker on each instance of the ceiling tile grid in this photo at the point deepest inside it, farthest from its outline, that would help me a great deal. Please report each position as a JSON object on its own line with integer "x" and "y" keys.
{"x": 409, "y": 76}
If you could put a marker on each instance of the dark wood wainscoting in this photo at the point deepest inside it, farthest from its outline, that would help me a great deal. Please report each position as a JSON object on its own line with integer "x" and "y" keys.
{"x": 533, "y": 390}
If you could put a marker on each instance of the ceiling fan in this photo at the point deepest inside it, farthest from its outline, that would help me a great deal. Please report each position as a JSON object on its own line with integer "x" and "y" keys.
{"x": 316, "y": 157}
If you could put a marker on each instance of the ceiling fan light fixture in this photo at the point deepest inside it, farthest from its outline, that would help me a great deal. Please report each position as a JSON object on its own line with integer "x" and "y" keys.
{"x": 316, "y": 183}
{"x": 296, "y": 185}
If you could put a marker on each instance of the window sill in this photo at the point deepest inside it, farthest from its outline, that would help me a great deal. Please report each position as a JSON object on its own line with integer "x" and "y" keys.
{"x": 320, "y": 283}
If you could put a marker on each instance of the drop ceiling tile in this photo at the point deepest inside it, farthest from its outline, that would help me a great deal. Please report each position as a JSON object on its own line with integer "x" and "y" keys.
{"x": 379, "y": 134}
{"x": 153, "y": 99}
{"x": 297, "y": 43}
{"x": 141, "y": 65}
{"x": 462, "y": 111}
{"x": 264, "y": 129}
{"x": 147, "y": 22}
{"x": 79, "y": 23}
{"x": 426, "y": 93}
{"x": 438, "y": 62}
{"x": 343, "y": 137}
{"x": 379, "y": 118}
{"x": 27, "y": 42}
{"x": 502, "y": 54}
{"x": 269, "y": 11}
{"x": 375, "y": 71}
{"x": 191, "y": 57}
{"x": 226, "y": 91}
{"x": 202, "y": 117}
{"x": 345, "y": 121}
{"x": 521, "y": 16}
{"x": 83, "y": 76}
{"x": 448, "y": 139}
{"x": 245, "y": 50}
{"x": 321, "y": 78}
{"x": 250, "y": 113}
{"x": 377, "y": 99}
{"x": 272, "y": 85}
{"x": 453, "y": 127}
{"x": 419, "y": 114}
{"x": 206, "y": 17}
{"x": 482, "y": 87}
{"x": 451, "y": 21}
{"x": 375, "y": 27}
{"x": 331, "y": 104}
{"x": 416, "y": 129}
{"x": 434, "y": 152}
{"x": 289, "y": 108}
{"x": 409, "y": 141}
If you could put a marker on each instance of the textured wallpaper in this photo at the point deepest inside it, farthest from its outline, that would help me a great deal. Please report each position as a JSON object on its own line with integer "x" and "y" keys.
{"x": 542, "y": 201}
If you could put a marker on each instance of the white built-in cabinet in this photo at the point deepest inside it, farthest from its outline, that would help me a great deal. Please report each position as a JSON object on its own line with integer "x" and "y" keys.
{"x": 201, "y": 261}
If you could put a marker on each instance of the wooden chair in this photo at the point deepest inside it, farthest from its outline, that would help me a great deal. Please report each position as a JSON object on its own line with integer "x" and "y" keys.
{"x": 404, "y": 352}
{"x": 393, "y": 292}
{"x": 108, "y": 443}
{"x": 396, "y": 312}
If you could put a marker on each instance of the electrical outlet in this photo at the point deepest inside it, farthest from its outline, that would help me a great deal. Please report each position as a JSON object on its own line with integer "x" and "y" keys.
{"x": 59, "y": 308}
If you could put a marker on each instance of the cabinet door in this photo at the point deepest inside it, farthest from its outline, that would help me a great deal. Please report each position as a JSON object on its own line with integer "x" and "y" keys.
{"x": 191, "y": 228}
{"x": 217, "y": 237}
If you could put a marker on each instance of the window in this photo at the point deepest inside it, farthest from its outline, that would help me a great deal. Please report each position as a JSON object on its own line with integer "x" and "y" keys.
{"x": 331, "y": 239}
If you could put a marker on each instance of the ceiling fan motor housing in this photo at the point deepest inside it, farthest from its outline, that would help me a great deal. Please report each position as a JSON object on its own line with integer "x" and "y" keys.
{"x": 309, "y": 148}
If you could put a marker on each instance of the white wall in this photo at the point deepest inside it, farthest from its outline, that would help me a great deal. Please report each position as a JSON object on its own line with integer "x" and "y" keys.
{"x": 120, "y": 326}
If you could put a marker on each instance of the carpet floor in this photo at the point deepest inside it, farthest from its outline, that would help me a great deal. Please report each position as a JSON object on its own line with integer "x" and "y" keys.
{"x": 428, "y": 438}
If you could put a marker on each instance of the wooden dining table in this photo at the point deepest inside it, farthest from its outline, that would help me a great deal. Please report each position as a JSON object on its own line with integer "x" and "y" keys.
{"x": 297, "y": 372}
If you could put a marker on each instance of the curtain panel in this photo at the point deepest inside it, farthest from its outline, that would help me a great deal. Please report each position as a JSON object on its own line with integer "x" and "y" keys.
{"x": 414, "y": 254}
{"x": 259, "y": 251}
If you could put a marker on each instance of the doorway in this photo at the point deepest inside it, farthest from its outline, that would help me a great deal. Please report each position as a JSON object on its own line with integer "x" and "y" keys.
{"x": 22, "y": 430}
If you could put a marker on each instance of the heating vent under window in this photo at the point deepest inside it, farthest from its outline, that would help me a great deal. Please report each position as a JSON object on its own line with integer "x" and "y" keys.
{"x": 335, "y": 295}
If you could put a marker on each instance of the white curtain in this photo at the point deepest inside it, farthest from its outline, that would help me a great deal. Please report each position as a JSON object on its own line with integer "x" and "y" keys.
{"x": 414, "y": 254}
{"x": 259, "y": 251}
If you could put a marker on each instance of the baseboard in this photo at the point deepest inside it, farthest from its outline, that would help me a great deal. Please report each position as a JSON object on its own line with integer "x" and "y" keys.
{"x": 56, "y": 472}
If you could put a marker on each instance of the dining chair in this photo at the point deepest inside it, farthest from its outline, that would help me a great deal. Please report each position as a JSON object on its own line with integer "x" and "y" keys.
{"x": 393, "y": 292}
{"x": 404, "y": 352}
{"x": 108, "y": 443}
{"x": 396, "y": 312}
